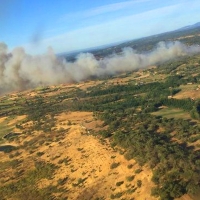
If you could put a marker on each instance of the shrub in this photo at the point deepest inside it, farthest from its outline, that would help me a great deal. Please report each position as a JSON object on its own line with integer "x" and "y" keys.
{"x": 40, "y": 153}
{"x": 119, "y": 183}
{"x": 62, "y": 181}
{"x": 137, "y": 171}
{"x": 116, "y": 196}
{"x": 130, "y": 166}
{"x": 139, "y": 183}
{"x": 130, "y": 178}
{"x": 114, "y": 165}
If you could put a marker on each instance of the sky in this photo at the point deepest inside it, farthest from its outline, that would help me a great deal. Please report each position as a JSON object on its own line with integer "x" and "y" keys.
{"x": 69, "y": 25}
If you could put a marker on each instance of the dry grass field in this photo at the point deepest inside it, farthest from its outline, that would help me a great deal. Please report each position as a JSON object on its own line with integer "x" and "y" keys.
{"x": 88, "y": 168}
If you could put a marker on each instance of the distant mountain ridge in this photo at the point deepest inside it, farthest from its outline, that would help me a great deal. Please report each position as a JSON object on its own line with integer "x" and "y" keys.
{"x": 136, "y": 43}
{"x": 196, "y": 25}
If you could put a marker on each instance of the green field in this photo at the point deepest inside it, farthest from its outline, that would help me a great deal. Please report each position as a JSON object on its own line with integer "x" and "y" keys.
{"x": 172, "y": 113}
{"x": 188, "y": 87}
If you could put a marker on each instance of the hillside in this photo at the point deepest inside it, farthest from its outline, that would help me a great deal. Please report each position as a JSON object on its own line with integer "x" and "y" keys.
{"x": 135, "y": 135}
{"x": 196, "y": 25}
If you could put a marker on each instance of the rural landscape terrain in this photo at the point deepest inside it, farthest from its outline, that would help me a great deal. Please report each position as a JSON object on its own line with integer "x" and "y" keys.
{"x": 133, "y": 135}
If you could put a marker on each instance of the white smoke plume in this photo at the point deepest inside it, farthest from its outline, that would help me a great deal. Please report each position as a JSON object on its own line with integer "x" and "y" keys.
{"x": 19, "y": 70}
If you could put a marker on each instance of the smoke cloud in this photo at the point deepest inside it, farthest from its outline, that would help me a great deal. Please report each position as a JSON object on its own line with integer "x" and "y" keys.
{"x": 20, "y": 71}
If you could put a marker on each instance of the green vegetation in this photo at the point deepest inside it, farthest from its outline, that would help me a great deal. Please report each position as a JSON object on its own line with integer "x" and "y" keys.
{"x": 137, "y": 171}
{"x": 62, "y": 181}
{"x": 25, "y": 187}
{"x": 114, "y": 165}
{"x": 119, "y": 183}
{"x": 79, "y": 182}
{"x": 116, "y": 196}
{"x": 139, "y": 183}
{"x": 4, "y": 129}
{"x": 130, "y": 166}
{"x": 172, "y": 113}
{"x": 130, "y": 178}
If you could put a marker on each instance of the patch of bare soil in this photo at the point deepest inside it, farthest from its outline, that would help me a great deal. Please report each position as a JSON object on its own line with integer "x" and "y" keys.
{"x": 193, "y": 94}
{"x": 2, "y": 119}
{"x": 185, "y": 197}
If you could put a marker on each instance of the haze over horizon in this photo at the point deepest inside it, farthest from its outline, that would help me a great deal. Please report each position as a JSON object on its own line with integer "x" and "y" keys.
{"x": 69, "y": 26}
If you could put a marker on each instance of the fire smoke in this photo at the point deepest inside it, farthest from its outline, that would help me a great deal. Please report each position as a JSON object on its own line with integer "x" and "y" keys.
{"x": 20, "y": 71}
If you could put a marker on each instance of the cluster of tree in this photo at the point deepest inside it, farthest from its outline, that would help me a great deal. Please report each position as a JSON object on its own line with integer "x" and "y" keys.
{"x": 25, "y": 188}
{"x": 171, "y": 161}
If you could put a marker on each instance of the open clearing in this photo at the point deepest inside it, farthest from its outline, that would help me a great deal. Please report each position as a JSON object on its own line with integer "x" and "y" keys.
{"x": 172, "y": 113}
{"x": 188, "y": 91}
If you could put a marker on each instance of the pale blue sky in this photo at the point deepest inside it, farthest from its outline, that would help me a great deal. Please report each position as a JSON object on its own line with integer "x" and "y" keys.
{"x": 68, "y": 25}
